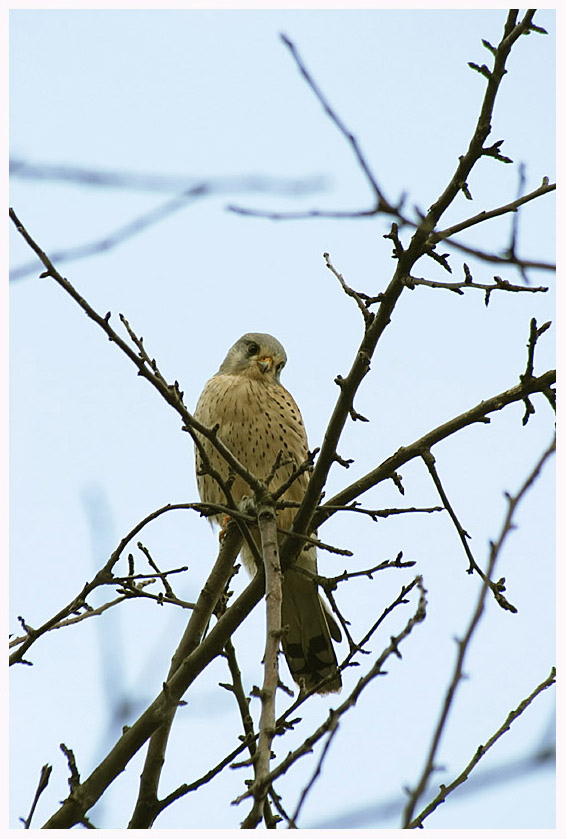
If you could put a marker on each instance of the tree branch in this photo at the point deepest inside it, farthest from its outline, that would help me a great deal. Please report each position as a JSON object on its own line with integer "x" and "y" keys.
{"x": 41, "y": 787}
{"x": 446, "y": 789}
{"x": 334, "y": 715}
{"x": 148, "y": 806}
{"x": 403, "y": 455}
{"x": 497, "y": 588}
{"x": 464, "y": 643}
{"x": 511, "y": 207}
{"x": 267, "y": 524}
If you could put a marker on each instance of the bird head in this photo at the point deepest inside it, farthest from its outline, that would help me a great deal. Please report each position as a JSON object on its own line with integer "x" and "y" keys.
{"x": 257, "y": 356}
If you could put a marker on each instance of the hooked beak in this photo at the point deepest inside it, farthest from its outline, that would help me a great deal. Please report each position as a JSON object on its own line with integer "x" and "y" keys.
{"x": 265, "y": 364}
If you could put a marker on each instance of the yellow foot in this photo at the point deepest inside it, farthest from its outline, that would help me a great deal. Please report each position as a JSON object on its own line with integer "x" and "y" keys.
{"x": 225, "y": 524}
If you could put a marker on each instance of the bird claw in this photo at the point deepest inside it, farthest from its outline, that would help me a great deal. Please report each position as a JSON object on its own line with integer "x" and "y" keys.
{"x": 224, "y": 528}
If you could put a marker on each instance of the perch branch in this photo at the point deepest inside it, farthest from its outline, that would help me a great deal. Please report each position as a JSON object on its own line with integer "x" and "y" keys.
{"x": 273, "y": 598}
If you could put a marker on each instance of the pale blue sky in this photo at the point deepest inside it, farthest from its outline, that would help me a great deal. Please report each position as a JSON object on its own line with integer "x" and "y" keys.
{"x": 210, "y": 93}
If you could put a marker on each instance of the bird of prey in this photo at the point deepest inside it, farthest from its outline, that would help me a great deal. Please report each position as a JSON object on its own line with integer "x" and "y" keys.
{"x": 257, "y": 418}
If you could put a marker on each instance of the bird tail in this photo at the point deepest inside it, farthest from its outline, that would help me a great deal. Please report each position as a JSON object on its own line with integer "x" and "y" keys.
{"x": 308, "y": 628}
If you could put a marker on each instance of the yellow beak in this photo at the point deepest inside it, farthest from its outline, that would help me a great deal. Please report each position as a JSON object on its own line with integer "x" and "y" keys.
{"x": 265, "y": 364}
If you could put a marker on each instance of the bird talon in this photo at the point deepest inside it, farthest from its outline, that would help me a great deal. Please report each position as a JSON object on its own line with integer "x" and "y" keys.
{"x": 224, "y": 528}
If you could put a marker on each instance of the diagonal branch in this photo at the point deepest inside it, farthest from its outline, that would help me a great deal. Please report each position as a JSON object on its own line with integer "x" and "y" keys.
{"x": 419, "y": 246}
{"x": 464, "y": 643}
{"x": 41, "y": 787}
{"x": 511, "y": 207}
{"x": 498, "y": 588}
{"x": 382, "y": 203}
{"x": 334, "y": 715}
{"x": 446, "y": 789}
{"x": 147, "y": 807}
{"x": 171, "y": 393}
{"x": 188, "y": 190}
{"x": 479, "y": 413}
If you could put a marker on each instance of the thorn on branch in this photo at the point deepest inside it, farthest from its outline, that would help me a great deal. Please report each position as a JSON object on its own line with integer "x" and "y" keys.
{"x": 441, "y": 258}
{"x": 27, "y": 629}
{"x": 345, "y": 463}
{"x": 534, "y": 28}
{"x": 489, "y": 46}
{"x": 355, "y": 416}
{"x": 525, "y": 378}
{"x": 393, "y": 234}
{"x": 74, "y": 778}
{"x": 483, "y": 70}
{"x": 466, "y": 190}
{"x": 495, "y": 152}
{"x": 396, "y": 478}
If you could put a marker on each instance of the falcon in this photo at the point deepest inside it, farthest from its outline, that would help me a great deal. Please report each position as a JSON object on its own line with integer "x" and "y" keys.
{"x": 257, "y": 418}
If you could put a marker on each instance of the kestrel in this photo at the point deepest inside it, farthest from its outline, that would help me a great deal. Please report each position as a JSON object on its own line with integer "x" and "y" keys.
{"x": 257, "y": 418}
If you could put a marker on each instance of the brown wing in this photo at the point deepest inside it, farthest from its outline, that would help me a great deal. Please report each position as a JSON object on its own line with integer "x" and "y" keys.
{"x": 257, "y": 420}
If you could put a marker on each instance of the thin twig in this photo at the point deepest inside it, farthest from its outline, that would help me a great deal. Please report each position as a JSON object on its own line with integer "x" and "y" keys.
{"x": 367, "y": 315}
{"x": 535, "y": 333}
{"x": 237, "y": 689}
{"x": 333, "y": 728}
{"x": 460, "y": 287}
{"x": 479, "y": 413}
{"x": 334, "y": 715}
{"x": 187, "y": 193}
{"x": 144, "y": 364}
{"x": 511, "y": 207}
{"x": 41, "y": 786}
{"x": 103, "y": 577}
{"x": 381, "y": 202}
{"x": 446, "y": 789}
{"x": 148, "y": 805}
{"x": 497, "y": 588}
{"x": 464, "y": 643}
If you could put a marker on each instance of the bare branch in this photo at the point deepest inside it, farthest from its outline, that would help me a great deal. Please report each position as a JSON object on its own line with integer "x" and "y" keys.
{"x": 325, "y": 511}
{"x": 273, "y": 598}
{"x": 104, "y": 178}
{"x": 148, "y": 806}
{"x": 101, "y": 578}
{"x": 464, "y": 643}
{"x": 535, "y": 333}
{"x": 332, "y": 729}
{"x": 237, "y": 689}
{"x": 382, "y": 205}
{"x": 334, "y": 715}
{"x": 362, "y": 306}
{"x": 41, "y": 786}
{"x": 446, "y": 789}
{"x": 511, "y": 207}
{"x": 479, "y": 413}
{"x": 146, "y": 367}
{"x": 459, "y": 287}
{"x": 188, "y": 193}
{"x": 425, "y": 225}
{"x": 503, "y": 259}
{"x": 497, "y": 588}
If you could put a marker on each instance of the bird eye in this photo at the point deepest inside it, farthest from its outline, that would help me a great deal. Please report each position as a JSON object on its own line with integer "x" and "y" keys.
{"x": 253, "y": 348}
